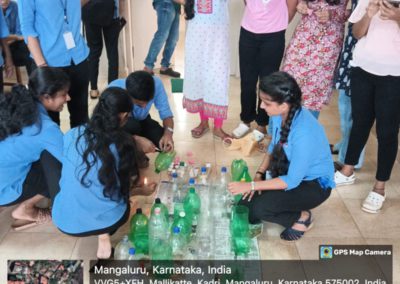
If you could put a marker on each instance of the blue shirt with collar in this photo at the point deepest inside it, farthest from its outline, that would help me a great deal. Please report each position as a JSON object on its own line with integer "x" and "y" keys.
{"x": 79, "y": 209}
{"x": 11, "y": 16}
{"x": 160, "y": 100}
{"x": 4, "y": 33}
{"x": 44, "y": 19}
{"x": 18, "y": 152}
{"x": 307, "y": 150}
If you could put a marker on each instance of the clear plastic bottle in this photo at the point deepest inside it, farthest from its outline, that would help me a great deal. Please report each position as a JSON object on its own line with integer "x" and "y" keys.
{"x": 159, "y": 246}
{"x": 203, "y": 176}
{"x": 183, "y": 224}
{"x": 178, "y": 243}
{"x": 122, "y": 249}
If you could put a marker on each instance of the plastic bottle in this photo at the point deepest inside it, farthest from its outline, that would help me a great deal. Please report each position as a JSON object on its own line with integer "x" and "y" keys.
{"x": 178, "y": 243}
{"x": 245, "y": 177}
{"x": 192, "y": 205}
{"x": 159, "y": 246}
{"x": 139, "y": 232}
{"x": 203, "y": 176}
{"x": 183, "y": 224}
{"x": 163, "y": 161}
{"x": 122, "y": 249}
{"x": 163, "y": 208}
{"x": 237, "y": 168}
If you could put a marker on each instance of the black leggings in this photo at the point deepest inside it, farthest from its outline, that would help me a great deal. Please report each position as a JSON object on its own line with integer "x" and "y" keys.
{"x": 108, "y": 230}
{"x": 284, "y": 207}
{"x": 43, "y": 179}
{"x": 375, "y": 98}
{"x": 259, "y": 55}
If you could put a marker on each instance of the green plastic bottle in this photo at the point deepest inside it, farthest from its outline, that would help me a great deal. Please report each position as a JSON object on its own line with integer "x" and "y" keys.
{"x": 192, "y": 205}
{"x": 163, "y": 161}
{"x": 139, "y": 232}
{"x": 245, "y": 177}
{"x": 237, "y": 168}
{"x": 183, "y": 224}
{"x": 163, "y": 208}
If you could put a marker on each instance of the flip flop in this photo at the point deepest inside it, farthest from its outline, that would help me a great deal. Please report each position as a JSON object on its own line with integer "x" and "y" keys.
{"x": 43, "y": 217}
{"x": 199, "y": 131}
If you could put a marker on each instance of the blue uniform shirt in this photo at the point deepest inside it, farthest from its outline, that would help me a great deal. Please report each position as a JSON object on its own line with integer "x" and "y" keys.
{"x": 307, "y": 150}
{"x": 78, "y": 209}
{"x": 160, "y": 100}
{"x": 3, "y": 34}
{"x": 44, "y": 19}
{"x": 18, "y": 152}
{"x": 12, "y": 20}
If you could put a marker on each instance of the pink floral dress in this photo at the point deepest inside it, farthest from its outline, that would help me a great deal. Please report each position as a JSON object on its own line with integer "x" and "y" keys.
{"x": 313, "y": 52}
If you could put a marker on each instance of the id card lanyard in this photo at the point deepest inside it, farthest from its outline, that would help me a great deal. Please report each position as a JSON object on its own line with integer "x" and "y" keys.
{"x": 68, "y": 37}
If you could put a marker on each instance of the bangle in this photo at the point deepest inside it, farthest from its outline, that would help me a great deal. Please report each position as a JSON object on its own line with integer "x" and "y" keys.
{"x": 170, "y": 129}
{"x": 260, "y": 173}
{"x": 253, "y": 184}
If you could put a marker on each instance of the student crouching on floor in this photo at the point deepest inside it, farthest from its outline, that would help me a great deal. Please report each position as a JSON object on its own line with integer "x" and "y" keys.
{"x": 31, "y": 145}
{"x": 298, "y": 160}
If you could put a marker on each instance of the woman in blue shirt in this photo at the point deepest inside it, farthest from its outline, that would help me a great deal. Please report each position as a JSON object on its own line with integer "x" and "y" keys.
{"x": 99, "y": 165}
{"x": 31, "y": 145}
{"x": 298, "y": 160}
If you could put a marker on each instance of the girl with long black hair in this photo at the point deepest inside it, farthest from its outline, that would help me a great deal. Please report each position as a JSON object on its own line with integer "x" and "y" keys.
{"x": 298, "y": 160}
{"x": 99, "y": 167}
{"x": 31, "y": 145}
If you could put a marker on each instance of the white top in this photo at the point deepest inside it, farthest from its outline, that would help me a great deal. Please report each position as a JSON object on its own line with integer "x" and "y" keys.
{"x": 378, "y": 52}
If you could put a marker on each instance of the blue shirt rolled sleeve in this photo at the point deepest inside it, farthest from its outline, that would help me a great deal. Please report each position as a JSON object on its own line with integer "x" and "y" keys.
{"x": 27, "y": 19}
{"x": 301, "y": 153}
{"x": 161, "y": 100}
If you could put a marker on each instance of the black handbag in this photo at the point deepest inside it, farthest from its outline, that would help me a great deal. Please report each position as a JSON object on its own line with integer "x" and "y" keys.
{"x": 98, "y": 12}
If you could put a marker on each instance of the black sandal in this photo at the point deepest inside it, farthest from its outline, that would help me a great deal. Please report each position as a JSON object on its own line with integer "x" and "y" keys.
{"x": 290, "y": 234}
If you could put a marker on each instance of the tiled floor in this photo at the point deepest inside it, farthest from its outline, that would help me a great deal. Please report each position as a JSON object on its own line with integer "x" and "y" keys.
{"x": 338, "y": 221}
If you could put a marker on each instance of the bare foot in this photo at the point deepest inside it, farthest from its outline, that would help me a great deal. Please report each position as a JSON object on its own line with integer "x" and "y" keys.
{"x": 300, "y": 227}
{"x": 220, "y": 133}
{"x": 145, "y": 190}
{"x": 104, "y": 246}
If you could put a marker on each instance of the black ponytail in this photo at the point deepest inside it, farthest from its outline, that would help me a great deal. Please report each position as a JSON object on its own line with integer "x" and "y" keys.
{"x": 282, "y": 88}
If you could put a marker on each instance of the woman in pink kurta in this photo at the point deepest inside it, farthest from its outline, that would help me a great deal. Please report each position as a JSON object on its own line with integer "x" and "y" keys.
{"x": 314, "y": 49}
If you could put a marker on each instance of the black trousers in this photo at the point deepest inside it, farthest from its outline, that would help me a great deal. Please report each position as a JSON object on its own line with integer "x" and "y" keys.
{"x": 284, "y": 207}
{"x": 259, "y": 55}
{"x": 21, "y": 56}
{"x": 43, "y": 178}
{"x": 375, "y": 98}
{"x": 78, "y": 105}
{"x": 147, "y": 128}
{"x": 94, "y": 36}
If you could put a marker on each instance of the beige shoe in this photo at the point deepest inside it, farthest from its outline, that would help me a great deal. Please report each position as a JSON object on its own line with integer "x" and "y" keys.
{"x": 94, "y": 94}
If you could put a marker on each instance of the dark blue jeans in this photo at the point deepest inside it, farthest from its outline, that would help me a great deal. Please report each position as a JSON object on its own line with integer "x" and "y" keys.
{"x": 167, "y": 33}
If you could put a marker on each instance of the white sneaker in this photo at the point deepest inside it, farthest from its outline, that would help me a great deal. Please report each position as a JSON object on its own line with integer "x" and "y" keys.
{"x": 373, "y": 203}
{"x": 341, "y": 179}
{"x": 241, "y": 130}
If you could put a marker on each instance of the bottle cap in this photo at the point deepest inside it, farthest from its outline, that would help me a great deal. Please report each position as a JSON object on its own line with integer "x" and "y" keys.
{"x": 132, "y": 251}
{"x": 203, "y": 170}
{"x": 157, "y": 201}
{"x": 176, "y": 230}
{"x": 182, "y": 164}
{"x": 174, "y": 175}
{"x": 191, "y": 181}
{"x": 182, "y": 214}
{"x": 139, "y": 211}
{"x": 223, "y": 170}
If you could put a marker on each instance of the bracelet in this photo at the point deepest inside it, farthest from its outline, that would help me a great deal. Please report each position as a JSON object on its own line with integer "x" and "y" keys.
{"x": 170, "y": 129}
{"x": 253, "y": 184}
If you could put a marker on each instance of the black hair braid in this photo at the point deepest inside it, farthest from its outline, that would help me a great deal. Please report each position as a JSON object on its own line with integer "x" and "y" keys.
{"x": 189, "y": 9}
{"x": 282, "y": 88}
